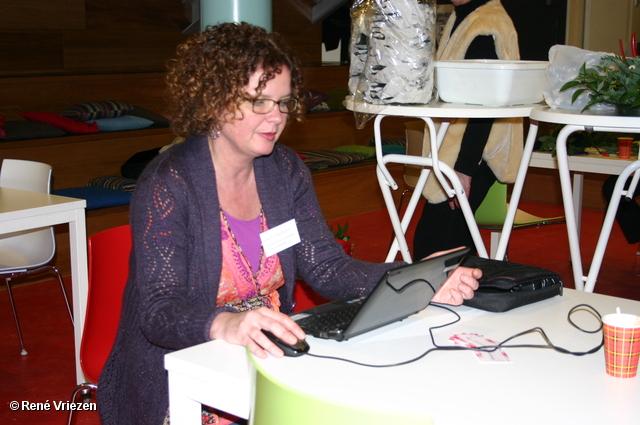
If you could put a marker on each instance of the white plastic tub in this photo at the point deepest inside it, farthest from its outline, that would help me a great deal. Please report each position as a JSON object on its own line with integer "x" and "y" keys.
{"x": 491, "y": 82}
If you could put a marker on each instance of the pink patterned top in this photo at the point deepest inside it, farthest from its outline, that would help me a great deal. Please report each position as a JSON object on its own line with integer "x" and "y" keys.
{"x": 240, "y": 286}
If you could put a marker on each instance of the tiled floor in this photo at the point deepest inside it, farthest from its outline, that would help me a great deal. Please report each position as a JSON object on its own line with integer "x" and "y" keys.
{"x": 46, "y": 374}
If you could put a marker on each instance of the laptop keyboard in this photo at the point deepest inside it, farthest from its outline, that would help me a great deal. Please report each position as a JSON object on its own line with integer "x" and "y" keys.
{"x": 331, "y": 320}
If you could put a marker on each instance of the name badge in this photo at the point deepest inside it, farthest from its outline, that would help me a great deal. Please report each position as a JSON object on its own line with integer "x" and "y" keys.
{"x": 280, "y": 238}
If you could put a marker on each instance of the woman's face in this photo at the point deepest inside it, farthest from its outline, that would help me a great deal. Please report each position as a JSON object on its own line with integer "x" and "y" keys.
{"x": 254, "y": 135}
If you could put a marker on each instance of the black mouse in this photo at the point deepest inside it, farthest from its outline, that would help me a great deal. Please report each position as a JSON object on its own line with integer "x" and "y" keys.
{"x": 298, "y": 349}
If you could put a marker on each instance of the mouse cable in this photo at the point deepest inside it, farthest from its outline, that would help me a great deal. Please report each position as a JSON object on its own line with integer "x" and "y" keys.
{"x": 491, "y": 348}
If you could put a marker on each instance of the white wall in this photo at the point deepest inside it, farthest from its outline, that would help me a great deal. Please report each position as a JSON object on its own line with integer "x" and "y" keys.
{"x": 607, "y": 21}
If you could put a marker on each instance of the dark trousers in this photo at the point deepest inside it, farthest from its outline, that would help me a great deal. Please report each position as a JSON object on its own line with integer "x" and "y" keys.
{"x": 441, "y": 228}
{"x": 628, "y": 214}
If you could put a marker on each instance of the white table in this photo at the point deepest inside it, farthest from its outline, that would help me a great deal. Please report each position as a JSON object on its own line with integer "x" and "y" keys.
{"x": 446, "y": 112}
{"x": 455, "y": 388}
{"x": 579, "y": 164}
{"x": 24, "y": 210}
{"x": 573, "y": 120}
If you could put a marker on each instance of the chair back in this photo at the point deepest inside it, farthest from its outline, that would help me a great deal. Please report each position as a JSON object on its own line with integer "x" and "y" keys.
{"x": 275, "y": 403}
{"x": 25, "y": 175}
{"x": 30, "y": 248}
{"x": 108, "y": 253}
{"x": 493, "y": 209}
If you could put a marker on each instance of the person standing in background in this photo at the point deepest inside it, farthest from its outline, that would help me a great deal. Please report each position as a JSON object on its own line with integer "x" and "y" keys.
{"x": 480, "y": 150}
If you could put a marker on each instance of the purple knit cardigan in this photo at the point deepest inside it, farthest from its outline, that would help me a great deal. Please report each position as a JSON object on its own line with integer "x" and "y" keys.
{"x": 170, "y": 299}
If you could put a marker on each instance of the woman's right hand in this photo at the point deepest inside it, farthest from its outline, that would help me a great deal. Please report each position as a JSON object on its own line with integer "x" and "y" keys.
{"x": 246, "y": 329}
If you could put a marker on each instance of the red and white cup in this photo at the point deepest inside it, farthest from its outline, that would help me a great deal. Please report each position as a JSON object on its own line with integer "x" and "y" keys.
{"x": 624, "y": 147}
{"x": 621, "y": 344}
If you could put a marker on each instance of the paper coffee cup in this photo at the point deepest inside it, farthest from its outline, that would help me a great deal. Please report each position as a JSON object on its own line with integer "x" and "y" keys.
{"x": 624, "y": 147}
{"x": 621, "y": 344}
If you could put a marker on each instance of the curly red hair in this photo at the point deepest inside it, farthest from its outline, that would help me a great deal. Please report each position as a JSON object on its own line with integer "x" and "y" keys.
{"x": 207, "y": 80}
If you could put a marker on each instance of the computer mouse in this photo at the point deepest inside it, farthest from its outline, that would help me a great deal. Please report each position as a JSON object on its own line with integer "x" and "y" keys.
{"x": 298, "y": 349}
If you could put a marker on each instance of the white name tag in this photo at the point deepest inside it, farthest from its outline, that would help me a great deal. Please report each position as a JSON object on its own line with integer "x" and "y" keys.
{"x": 280, "y": 238}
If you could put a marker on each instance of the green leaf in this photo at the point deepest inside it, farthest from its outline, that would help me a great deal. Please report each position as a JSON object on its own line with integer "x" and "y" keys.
{"x": 576, "y": 94}
{"x": 570, "y": 84}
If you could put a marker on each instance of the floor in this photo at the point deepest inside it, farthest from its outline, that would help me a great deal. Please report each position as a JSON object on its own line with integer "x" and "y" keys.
{"x": 46, "y": 374}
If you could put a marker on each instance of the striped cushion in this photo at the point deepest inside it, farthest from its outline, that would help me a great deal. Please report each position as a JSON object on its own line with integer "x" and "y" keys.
{"x": 319, "y": 159}
{"x": 114, "y": 182}
{"x": 97, "y": 110}
{"x": 399, "y": 141}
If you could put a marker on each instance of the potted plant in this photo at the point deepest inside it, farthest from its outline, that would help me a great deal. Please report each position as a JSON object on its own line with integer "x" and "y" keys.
{"x": 341, "y": 237}
{"x": 615, "y": 81}
{"x": 580, "y": 142}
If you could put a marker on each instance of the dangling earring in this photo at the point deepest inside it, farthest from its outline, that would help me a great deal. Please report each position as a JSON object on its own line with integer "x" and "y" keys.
{"x": 215, "y": 132}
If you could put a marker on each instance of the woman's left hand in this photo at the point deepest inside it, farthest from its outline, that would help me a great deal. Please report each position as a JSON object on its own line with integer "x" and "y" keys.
{"x": 459, "y": 286}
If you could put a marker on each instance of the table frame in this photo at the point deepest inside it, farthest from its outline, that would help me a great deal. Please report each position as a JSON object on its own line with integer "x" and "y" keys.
{"x": 24, "y": 210}
{"x": 573, "y": 120}
{"x": 447, "y": 112}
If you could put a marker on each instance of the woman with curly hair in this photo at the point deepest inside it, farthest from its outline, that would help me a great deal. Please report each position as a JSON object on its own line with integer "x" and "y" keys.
{"x": 198, "y": 268}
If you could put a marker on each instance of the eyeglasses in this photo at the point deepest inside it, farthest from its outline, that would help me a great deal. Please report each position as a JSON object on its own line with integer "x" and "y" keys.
{"x": 264, "y": 106}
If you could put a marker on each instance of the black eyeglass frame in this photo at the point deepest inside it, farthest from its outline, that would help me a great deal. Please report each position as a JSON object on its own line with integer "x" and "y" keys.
{"x": 282, "y": 103}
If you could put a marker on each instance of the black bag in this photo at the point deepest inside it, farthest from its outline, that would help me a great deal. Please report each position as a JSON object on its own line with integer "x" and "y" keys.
{"x": 505, "y": 285}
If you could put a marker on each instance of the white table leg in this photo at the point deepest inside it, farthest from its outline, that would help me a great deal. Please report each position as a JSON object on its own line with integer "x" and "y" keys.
{"x": 501, "y": 251}
{"x": 568, "y": 201}
{"x": 183, "y": 410}
{"x": 578, "y": 187}
{"x": 609, "y": 218}
{"x": 80, "y": 282}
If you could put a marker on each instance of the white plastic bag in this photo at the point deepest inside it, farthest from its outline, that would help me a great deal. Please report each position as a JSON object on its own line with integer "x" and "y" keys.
{"x": 392, "y": 51}
{"x": 564, "y": 64}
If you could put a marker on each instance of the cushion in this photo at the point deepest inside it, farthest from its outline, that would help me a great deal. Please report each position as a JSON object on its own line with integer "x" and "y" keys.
{"x": 365, "y": 151}
{"x": 336, "y": 99}
{"x": 319, "y": 159}
{"x": 114, "y": 182}
{"x": 97, "y": 197}
{"x": 3, "y": 133}
{"x": 125, "y": 122}
{"x": 314, "y": 98}
{"x": 25, "y": 130}
{"x": 399, "y": 141}
{"x": 97, "y": 110}
{"x": 132, "y": 168}
{"x": 58, "y": 121}
{"x": 386, "y": 149}
{"x": 159, "y": 120}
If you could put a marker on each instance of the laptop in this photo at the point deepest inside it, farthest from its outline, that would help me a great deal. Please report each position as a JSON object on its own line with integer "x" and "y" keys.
{"x": 400, "y": 293}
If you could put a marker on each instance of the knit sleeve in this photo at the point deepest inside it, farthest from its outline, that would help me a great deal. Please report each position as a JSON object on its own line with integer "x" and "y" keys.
{"x": 320, "y": 260}
{"x": 176, "y": 299}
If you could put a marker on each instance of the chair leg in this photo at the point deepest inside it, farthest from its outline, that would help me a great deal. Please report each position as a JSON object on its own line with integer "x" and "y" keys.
{"x": 83, "y": 389}
{"x": 64, "y": 292}
{"x": 15, "y": 315}
{"x": 404, "y": 192}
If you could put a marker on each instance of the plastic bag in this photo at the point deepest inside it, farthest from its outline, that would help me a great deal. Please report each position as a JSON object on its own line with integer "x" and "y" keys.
{"x": 564, "y": 64}
{"x": 392, "y": 51}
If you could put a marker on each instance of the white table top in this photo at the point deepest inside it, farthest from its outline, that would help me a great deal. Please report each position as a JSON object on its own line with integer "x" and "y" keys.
{"x": 443, "y": 110}
{"x": 588, "y": 118}
{"x": 537, "y": 386}
{"x": 18, "y": 204}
